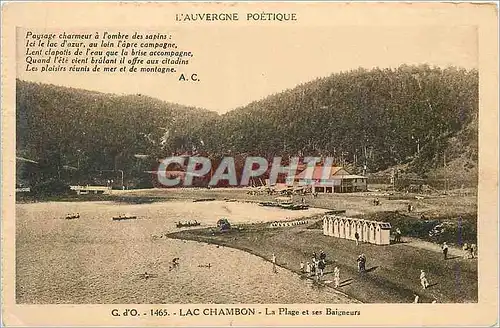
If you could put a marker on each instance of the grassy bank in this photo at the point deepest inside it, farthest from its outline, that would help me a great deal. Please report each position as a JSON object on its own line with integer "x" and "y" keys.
{"x": 394, "y": 270}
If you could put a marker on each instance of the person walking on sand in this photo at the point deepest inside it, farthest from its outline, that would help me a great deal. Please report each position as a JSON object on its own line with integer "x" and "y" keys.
{"x": 423, "y": 279}
{"x": 308, "y": 269}
{"x": 356, "y": 236}
{"x": 445, "y": 250}
{"x": 273, "y": 259}
{"x": 465, "y": 249}
{"x": 301, "y": 267}
{"x": 336, "y": 277}
{"x": 397, "y": 236}
{"x": 321, "y": 268}
{"x": 361, "y": 263}
{"x": 473, "y": 250}
{"x": 313, "y": 266}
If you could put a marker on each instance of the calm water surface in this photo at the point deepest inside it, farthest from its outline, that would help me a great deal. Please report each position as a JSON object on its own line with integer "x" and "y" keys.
{"x": 96, "y": 260}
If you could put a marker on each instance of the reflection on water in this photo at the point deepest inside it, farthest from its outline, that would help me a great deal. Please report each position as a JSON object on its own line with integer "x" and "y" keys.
{"x": 96, "y": 260}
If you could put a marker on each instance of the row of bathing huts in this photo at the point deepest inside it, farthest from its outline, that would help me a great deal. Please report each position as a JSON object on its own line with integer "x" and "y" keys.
{"x": 373, "y": 232}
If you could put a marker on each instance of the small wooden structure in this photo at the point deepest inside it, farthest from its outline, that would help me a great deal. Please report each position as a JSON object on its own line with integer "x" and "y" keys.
{"x": 373, "y": 232}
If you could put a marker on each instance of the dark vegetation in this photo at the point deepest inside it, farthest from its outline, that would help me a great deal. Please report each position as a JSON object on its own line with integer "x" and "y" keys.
{"x": 453, "y": 230}
{"x": 415, "y": 118}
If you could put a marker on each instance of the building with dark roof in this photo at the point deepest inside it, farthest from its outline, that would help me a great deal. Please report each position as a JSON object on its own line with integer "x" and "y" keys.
{"x": 332, "y": 179}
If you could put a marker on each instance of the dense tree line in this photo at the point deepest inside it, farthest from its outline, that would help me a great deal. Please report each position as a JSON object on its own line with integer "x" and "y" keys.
{"x": 378, "y": 118}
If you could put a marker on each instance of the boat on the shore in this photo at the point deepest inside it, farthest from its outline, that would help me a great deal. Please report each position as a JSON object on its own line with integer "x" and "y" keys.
{"x": 187, "y": 224}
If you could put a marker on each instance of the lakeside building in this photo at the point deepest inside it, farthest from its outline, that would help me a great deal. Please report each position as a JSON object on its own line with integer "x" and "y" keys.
{"x": 331, "y": 180}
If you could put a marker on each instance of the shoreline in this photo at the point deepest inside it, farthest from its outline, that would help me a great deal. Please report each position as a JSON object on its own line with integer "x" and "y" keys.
{"x": 283, "y": 266}
{"x": 392, "y": 276}
{"x": 429, "y": 212}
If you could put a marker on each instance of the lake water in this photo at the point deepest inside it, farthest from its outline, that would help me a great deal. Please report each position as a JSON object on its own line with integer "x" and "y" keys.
{"x": 97, "y": 260}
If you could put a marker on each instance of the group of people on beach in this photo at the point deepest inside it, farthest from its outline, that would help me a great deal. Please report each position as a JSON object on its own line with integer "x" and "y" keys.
{"x": 316, "y": 267}
{"x": 470, "y": 251}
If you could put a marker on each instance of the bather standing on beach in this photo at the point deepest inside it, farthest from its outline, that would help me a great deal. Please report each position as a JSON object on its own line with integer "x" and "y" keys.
{"x": 313, "y": 266}
{"x": 423, "y": 280}
{"x": 445, "y": 250}
{"x": 321, "y": 268}
{"x": 336, "y": 277}
{"x": 361, "y": 263}
{"x": 273, "y": 259}
{"x": 322, "y": 255}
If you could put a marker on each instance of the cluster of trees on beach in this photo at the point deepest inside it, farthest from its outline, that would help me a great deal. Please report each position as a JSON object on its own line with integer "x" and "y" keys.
{"x": 378, "y": 118}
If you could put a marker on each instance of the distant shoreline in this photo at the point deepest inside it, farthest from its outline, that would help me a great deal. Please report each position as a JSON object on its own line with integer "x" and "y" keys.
{"x": 430, "y": 210}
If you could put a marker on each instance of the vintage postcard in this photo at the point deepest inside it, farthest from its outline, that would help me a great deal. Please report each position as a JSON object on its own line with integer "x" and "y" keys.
{"x": 249, "y": 164}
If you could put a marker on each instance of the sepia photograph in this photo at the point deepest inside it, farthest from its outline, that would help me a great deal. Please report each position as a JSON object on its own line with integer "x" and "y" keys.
{"x": 237, "y": 156}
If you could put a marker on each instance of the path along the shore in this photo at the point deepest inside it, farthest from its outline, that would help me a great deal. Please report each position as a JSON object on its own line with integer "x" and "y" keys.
{"x": 393, "y": 270}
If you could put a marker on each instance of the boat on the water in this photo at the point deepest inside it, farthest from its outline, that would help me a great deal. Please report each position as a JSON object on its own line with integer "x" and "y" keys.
{"x": 120, "y": 217}
{"x": 269, "y": 204}
{"x": 188, "y": 224}
{"x": 294, "y": 207}
{"x": 72, "y": 216}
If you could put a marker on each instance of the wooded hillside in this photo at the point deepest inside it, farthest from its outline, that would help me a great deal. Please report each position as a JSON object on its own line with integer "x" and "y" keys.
{"x": 419, "y": 117}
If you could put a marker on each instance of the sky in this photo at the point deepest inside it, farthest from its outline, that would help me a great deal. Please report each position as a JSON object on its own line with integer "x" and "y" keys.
{"x": 242, "y": 64}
